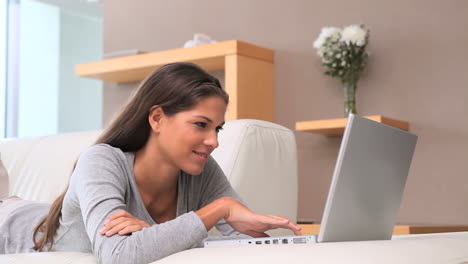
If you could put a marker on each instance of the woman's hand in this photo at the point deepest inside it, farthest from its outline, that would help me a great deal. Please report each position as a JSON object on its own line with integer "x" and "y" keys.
{"x": 242, "y": 218}
{"x": 250, "y": 223}
{"x": 122, "y": 223}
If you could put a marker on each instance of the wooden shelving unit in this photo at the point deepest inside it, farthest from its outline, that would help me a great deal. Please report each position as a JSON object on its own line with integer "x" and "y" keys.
{"x": 248, "y": 72}
{"x": 335, "y": 127}
{"x": 314, "y": 229}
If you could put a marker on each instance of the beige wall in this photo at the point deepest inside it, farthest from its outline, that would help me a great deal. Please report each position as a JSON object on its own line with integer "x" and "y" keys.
{"x": 418, "y": 71}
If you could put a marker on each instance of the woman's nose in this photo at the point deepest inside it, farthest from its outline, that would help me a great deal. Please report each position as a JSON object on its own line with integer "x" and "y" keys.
{"x": 212, "y": 140}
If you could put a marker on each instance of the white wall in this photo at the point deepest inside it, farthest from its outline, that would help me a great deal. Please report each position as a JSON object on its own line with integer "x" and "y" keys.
{"x": 416, "y": 72}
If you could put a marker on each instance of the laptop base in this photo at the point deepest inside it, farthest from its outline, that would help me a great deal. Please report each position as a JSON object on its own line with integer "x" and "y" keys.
{"x": 280, "y": 240}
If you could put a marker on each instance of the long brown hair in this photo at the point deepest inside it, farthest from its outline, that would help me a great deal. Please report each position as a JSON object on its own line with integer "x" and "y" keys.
{"x": 174, "y": 87}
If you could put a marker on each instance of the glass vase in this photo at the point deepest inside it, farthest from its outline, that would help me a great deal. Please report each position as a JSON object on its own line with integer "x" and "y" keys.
{"x": 349, "y": 98}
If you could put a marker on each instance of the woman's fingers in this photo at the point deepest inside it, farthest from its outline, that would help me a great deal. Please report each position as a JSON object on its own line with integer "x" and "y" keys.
{"x": 246, "y": 221}
{"x": 118, "y": 214}
{"x": 289, "y": 225}
{"x": 114, "y": 230}
{"x": 112, "y": 223}
{"x": 273, "y": 222}
{"x": 122, "y": 223}
{"x": 257, "y": 226}
{"x": 130, "y": 229}
{"x": 279, "y": 217}
{"x": 124, "y": 228}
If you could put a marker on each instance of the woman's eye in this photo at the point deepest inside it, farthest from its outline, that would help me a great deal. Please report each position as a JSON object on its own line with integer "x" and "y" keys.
{"x": 219, "y": 129}
{"x": 201, "y": 124}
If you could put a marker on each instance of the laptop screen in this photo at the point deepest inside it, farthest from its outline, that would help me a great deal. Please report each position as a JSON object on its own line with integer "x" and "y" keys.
{"x": 368, "y": 182}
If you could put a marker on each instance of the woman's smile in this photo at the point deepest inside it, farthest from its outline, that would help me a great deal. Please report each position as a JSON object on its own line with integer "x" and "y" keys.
{"x": 202, "y": 155}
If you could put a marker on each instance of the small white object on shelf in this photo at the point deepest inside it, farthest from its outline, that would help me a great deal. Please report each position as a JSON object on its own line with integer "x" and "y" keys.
{"x": 121, "y": 53}
{"x": 199, "y": 39}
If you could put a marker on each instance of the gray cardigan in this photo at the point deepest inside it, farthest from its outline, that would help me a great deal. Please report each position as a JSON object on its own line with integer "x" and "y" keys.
{"x": 103, "y": 183}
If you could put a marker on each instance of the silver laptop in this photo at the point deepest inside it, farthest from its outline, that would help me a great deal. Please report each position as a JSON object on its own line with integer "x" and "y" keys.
{"x": 366, "y": 188}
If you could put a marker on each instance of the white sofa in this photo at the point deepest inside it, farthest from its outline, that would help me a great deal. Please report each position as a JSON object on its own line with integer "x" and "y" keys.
{"x": 259, "y": 159}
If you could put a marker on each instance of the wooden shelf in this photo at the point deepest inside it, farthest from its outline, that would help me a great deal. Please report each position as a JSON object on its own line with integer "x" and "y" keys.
{"x": 313, "y": 229}
{"x": 335, "y": 127}
{"x": 136, "y": 67}
{"x": 248, "y": 72}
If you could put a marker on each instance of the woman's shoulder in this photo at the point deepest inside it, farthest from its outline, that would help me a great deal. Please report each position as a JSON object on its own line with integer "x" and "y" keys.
{"x": 104, "y": 162}
{"x": 102, "y": 147}
{"x": 102, "y": 150}
{"x": 103, "y": 155}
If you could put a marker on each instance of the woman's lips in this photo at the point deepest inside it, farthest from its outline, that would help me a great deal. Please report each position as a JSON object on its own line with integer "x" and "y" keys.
{"x": 201, "y": 155}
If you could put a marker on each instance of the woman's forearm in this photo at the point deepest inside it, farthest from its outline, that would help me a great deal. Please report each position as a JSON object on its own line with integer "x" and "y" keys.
{"x": 213, "y": 212}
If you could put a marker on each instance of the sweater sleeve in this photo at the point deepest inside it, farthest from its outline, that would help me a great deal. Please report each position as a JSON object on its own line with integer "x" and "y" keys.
{"x": 100, "y": 185}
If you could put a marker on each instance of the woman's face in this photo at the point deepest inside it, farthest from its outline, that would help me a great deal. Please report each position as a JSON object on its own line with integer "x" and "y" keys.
{"x": 187, "y": 138}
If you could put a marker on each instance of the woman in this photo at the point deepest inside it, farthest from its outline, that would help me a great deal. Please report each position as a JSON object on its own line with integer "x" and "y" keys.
{"x": 148, "y": 188}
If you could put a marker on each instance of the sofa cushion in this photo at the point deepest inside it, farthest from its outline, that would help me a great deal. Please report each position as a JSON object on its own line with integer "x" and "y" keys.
{"x": 49, "y": 258}
{"x": 39, "y": 168}
{"x": 447, "y": 248}
{"x": 4, "y": 182}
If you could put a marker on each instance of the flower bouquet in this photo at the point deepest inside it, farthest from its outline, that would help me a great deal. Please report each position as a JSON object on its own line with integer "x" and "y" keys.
{"x": 343, "y": 54}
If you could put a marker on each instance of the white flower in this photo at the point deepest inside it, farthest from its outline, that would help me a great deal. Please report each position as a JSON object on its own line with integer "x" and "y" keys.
{"x": 335, "y": 47}
{"x": 354, "y": 34}
{"x": 327, "y": 32}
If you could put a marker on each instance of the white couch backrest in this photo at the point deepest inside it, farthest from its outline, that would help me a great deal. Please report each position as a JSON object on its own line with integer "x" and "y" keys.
{"x": 258, "y": 158}
{"x": 39, "y": 168}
